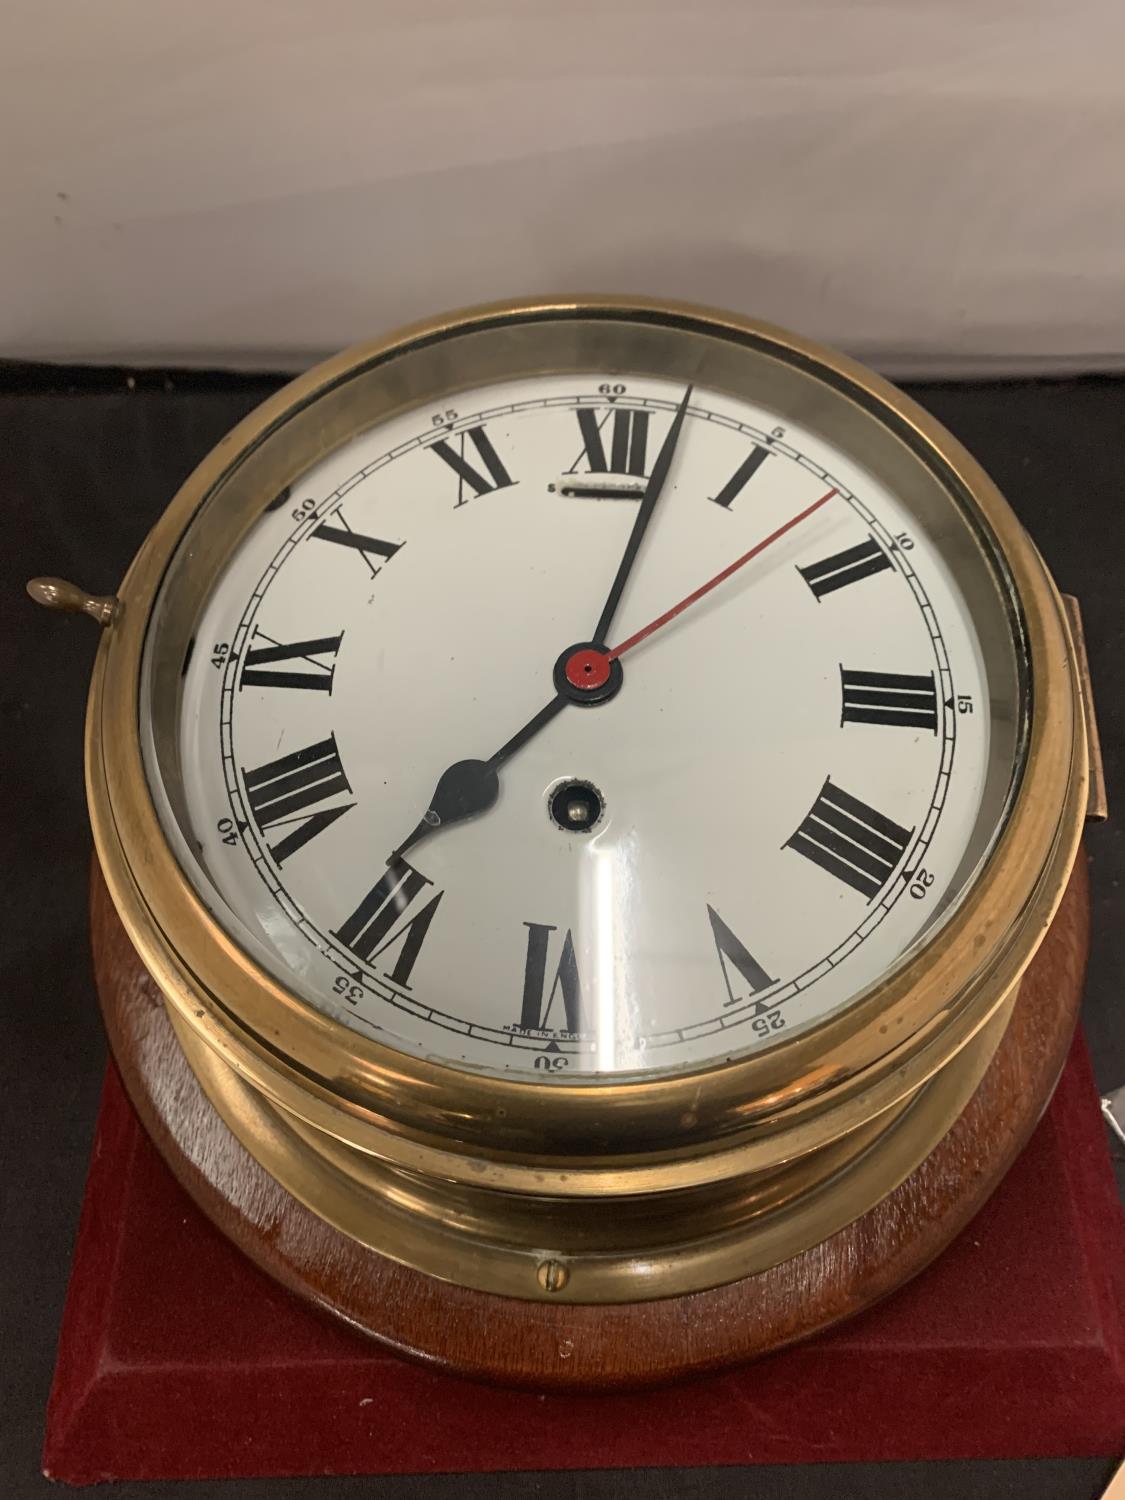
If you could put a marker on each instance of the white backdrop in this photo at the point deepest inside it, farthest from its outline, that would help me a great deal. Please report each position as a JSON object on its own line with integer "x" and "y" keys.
{"x": 930, "y": 184}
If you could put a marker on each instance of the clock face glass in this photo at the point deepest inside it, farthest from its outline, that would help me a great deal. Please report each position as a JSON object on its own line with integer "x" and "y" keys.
{"x": 446, "y": 799}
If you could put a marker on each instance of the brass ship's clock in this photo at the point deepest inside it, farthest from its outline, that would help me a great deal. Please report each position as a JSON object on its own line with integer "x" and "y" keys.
{"x": 587, "y": 778}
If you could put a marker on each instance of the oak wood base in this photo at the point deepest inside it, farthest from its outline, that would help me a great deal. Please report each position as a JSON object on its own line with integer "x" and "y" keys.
{"x": 543, "y": 1345}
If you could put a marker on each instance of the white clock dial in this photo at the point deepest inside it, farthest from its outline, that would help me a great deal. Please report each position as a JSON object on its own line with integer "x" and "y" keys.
{"x": 776, "y": 792}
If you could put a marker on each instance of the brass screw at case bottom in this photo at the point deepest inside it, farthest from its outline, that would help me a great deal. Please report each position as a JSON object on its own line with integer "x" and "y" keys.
{"x": 552, "y": 1275}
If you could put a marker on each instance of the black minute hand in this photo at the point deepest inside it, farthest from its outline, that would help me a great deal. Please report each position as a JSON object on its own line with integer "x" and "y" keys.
{"x": 469, "y": 787}
{"x": 644, "y": 516}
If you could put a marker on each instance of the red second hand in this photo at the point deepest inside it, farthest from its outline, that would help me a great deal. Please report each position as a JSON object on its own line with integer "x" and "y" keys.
{"x": 678, "y": 609}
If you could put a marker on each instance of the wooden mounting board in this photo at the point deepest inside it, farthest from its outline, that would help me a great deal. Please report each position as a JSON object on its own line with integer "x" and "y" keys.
{"x": 538, "y": 1344}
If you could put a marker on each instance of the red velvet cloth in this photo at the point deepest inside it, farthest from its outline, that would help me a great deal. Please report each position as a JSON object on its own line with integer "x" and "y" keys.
{"x": 179, "y": 1359}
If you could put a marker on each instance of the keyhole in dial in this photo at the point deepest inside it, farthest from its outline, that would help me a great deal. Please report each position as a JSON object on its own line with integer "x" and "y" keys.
{"x": 575, "y": 806}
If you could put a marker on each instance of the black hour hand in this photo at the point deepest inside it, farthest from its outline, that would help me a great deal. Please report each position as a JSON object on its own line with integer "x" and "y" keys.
{"x": 470, "y": 787}
{"x": 466, "y": 788}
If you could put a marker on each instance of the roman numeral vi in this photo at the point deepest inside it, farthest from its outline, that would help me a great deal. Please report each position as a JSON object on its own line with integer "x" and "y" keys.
{"x": 535, "y": 1013}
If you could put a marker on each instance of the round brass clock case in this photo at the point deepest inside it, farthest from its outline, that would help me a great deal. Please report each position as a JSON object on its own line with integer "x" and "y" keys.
{"x": 600, "y": 1190}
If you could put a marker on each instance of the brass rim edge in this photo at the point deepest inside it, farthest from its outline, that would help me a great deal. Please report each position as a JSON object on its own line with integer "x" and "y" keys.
{"x": 347, "y": 1086}
{"x": 381, "y": 1211}
{"x": 292, "y": 1095}
{"x": 788, "y": 1140}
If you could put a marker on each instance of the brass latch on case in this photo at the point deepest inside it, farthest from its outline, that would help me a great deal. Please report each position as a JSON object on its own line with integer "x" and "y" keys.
{"x": 1097, "y": 807}
{"x": 57, "y": 593}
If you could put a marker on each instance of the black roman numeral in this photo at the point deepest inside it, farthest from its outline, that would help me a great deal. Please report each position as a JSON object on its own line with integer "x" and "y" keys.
{"x": 286, "y": 791}
{"x": 366, "y": 546}
{"x": 367, "y": 932}
{"x": 258, "y": 669}
{"x": 742, "y": 475}
{"x": 537, "y": 1002}
{"x": 851, "y": 841}
{"x": 842, "y": 568}
{"x": 889, "y": 698}
{"x": 730, "y": 949}
{"x": 628, "y": 451}
{"x": 498, "y": 479}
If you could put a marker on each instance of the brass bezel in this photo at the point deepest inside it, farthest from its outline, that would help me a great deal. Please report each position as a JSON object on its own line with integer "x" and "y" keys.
{"x": 667, "y": 1134}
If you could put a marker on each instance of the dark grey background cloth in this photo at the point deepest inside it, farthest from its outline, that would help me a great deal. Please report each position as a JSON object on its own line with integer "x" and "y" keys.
{"x": 87, "y": 463}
